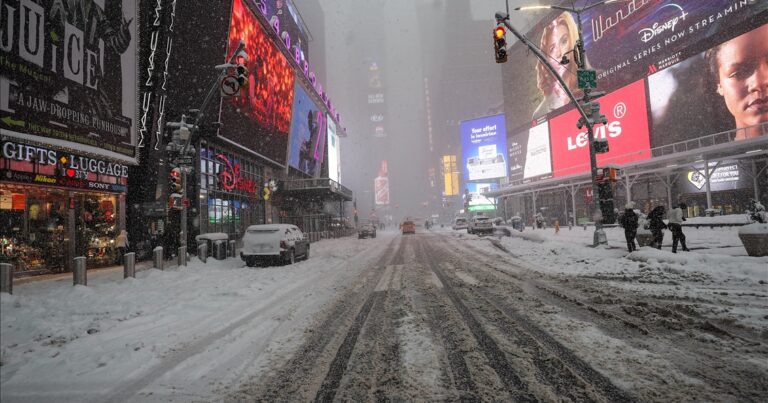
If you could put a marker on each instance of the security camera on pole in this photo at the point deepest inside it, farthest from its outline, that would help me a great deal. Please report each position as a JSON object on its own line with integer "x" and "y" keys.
{"x": 589, "y": 110}
{"x": 233, "y": 75}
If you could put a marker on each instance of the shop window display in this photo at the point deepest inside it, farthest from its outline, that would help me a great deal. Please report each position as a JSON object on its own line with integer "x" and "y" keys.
{"x": 33, "y": 229}
{"x": 96, "y": 229}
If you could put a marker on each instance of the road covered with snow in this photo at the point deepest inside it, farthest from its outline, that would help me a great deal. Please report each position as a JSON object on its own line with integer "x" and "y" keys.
{"x": 440, "y": 315}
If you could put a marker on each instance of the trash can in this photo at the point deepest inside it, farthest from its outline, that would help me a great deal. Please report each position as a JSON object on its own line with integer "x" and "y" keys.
{"x": 220, "y": 250}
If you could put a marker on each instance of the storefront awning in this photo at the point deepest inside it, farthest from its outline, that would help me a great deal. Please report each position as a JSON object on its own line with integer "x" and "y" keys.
{"x": 316, "y": 188}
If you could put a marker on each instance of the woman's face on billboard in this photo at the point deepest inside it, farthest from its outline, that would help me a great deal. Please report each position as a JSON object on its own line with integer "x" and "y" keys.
{"x": 558, "y": 41}
{"x": 743, "y": 76}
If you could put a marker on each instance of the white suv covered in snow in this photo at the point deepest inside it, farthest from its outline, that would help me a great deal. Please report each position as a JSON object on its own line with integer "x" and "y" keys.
{"x": 273, "y": 242}
{"x": 480, "y": 224}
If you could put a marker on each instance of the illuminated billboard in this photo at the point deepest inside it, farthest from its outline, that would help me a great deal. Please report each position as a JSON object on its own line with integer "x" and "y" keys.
{"x": 381, "y": 185}
{"x": 70, "y": 77}
{"x": 724, "y": 81}
{"x": 450, "y": 175}
{"x": 484, "y": 148}
{"x": 260, "y": 118}
{"x": 334, "y": 152}
{"x": 626, "y": 132}
{"x": 308, "y": 133}
{"x": 624, "y": 42}
{"x": 479, "y": 202}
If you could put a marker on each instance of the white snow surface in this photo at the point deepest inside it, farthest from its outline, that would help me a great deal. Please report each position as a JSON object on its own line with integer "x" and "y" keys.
{"x": 717, "y": 265}
{"x": 180, "y": 334}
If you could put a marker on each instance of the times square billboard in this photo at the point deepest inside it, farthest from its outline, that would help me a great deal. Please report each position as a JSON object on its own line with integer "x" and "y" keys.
{"x": 692, "y": 67}
{"x": 483, "y": 146}
{"x": 68, "y": 77}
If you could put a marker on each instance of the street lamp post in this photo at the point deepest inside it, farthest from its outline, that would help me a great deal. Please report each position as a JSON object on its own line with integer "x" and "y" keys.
{"x": 588, "y": 120}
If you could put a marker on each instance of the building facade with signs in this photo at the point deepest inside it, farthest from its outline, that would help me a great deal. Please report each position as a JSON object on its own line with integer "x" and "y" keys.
{"x": 711, "y": 154}
{"x": 68, "y": 114}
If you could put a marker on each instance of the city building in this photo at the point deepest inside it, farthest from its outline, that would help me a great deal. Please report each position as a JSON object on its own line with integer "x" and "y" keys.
{"x": 68, "y": 120}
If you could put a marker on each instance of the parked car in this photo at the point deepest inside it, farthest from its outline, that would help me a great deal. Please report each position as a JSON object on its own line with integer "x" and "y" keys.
{"x": 281, "y": 243}
{"x": 480, "y": 225}
{"x": 366, "y": 231}
{"x": 460, "y": 223}
{"x": 408, "y": 227}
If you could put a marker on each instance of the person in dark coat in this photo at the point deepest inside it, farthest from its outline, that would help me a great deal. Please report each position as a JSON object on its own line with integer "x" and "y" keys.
{"x": 656, "y": 225}
{"x": 629, "y": 222}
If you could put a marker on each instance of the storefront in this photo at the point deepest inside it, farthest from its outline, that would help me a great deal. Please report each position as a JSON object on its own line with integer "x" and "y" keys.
{"x": 231, "y": 191}
{"x": 56, "y": 205}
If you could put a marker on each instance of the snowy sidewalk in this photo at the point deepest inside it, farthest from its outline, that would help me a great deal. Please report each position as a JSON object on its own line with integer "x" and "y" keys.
{"x": 182, "y": 330}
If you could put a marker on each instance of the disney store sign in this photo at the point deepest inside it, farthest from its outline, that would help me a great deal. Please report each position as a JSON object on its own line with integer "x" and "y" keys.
{"x": 230, "y": 178}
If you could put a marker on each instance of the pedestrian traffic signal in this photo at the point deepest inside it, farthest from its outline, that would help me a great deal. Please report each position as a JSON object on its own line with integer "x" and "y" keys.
{"x": 174, "y": 181}
{"x": 500, "y": 44}
{"x": 605, "y": 200}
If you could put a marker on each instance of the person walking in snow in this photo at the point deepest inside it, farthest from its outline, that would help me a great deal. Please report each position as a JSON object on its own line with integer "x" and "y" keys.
{"x": 121, "y": 243}
{"x": 656, "y": 225}
{"x": 629, "y": 221}
{"x": 675, "y": 225}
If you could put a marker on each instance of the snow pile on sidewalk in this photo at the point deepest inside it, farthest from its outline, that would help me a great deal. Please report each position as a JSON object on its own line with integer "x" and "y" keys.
{"x": 65, "y": 343}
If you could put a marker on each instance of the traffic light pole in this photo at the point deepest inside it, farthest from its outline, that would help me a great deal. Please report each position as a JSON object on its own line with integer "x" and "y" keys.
{"x": 503, "y": 18}
{"x": 194, "y": 128}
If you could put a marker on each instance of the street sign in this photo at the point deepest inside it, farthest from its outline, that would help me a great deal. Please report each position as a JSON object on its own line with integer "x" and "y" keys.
{"x": 230, "y": 86}
{"x": 182, "y": 160}
{"x": 587, "y": 78}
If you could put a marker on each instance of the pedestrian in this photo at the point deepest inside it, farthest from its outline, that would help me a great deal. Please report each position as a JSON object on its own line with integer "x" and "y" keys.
{"x": 629, "y": 220}
{"x": 121, "y": 243}
{"x": 675, "y": 225}
{"x": 656, "y": 225}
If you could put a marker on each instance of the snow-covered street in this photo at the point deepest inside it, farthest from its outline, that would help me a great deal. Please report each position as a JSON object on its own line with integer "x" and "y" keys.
{"x": 439, "y": 315}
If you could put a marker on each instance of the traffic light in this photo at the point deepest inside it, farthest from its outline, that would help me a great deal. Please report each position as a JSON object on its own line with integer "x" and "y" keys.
{"x": 605, "y": 200}
{"x": 500, "y": 44}
{"x": 174, "y": 181}
{"x": 242, "y": 71}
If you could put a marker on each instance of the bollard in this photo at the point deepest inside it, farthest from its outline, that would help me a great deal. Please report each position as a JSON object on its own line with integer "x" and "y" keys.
{"x": 182, "y": 256}
{"x": 157, "y": 258}
{"x": 232, "y": 251}
{"x": 202, "y": 252}
{"x": 79, "y": 275}
{"x": 129, "y": 265}
{"x": 6, "y": 278}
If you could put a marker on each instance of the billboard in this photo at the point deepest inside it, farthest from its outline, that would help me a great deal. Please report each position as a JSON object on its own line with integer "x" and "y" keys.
{"x": 70, "y": 77}
{"x": 450, "y": 175}
{"x": 479, "y": 202}
{"x": 627, "y": 133}
{"x": 484, "y": 148}
{"x": 724, "y": 81}
{"x": 334, "y": 152}
{"x": 624, "y": 42}
{"x": 260, "y": 118}
{"x": 308, "y": 133}
{"x": 284, "y": 18}
{"x": 381, "y": 185}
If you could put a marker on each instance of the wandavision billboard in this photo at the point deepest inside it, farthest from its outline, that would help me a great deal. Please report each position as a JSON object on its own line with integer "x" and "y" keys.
{"x": 68, "y": 72}
{"x": 260, "y": 118}
{"x": 625, "y": 42}
{"x": 308, "y": 133}
{"x": 626, "y": 132}
{"x": 484, "y": 148}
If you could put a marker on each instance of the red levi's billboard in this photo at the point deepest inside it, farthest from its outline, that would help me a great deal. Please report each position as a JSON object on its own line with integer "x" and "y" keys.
{"x": 626, "y": 131}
